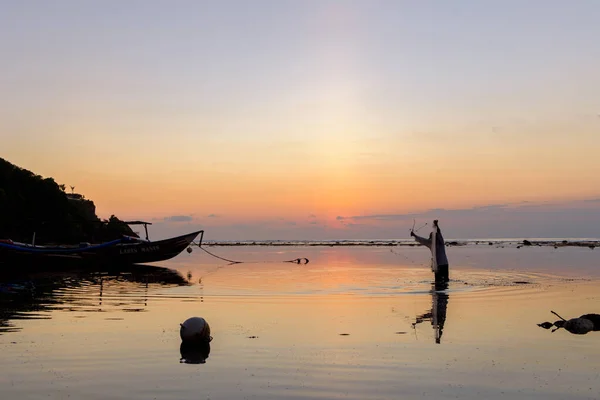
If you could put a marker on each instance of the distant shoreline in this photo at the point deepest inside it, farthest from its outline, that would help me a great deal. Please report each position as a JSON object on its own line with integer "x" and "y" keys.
{"x": 518, "y": 243}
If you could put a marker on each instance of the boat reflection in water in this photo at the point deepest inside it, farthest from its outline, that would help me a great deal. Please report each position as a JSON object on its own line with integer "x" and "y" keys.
{"x": 437, "y": 315}
{"x": 37, "y": 294}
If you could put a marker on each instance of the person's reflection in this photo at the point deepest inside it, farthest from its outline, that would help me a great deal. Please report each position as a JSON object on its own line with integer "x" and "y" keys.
{"x": 194, "y": 353}
{"x": 437, "y": 315}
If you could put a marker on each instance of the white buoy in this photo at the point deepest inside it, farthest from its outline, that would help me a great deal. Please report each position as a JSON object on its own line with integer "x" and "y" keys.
{"x": 195, "y": 330}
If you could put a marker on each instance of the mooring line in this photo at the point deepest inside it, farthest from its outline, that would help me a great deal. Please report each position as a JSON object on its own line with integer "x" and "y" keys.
{"x": 299, "y": 261}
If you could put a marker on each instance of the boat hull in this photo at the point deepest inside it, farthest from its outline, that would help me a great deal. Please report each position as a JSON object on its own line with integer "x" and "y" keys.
{"x": 145, "y": 252}
{"x": 116, "y": 252}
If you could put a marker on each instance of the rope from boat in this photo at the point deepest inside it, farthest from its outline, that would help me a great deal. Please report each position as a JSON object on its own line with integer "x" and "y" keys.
{"x": 220, "y": 258}
{"x": 302, "y": 260}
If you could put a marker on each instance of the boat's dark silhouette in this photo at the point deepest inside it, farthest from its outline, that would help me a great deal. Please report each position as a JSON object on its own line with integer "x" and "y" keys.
{"x": 122, "y": 251}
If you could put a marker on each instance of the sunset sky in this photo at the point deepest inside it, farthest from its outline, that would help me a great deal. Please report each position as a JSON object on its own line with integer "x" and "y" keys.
{"x": 312, "y": 119}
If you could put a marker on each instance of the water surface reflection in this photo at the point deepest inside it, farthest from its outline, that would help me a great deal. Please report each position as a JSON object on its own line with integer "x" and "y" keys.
{"x": 194, "y": 353}
{"x": 35, "y": 294}
{"x": 437, "y": 314}
{"x": 278, "y": 330}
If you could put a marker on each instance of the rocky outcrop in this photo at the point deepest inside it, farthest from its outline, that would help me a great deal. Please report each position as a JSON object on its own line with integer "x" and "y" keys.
{"x": 30, "y": 204}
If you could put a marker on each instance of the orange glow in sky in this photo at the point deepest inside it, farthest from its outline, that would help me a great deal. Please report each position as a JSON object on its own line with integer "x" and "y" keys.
{"x": 329, "y": 110}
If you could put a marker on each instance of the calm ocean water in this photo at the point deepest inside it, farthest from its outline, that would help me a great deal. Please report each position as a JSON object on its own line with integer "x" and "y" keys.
{"x": 355, "y": 322}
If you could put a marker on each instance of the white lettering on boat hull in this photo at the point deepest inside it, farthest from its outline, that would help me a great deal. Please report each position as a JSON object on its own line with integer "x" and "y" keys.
{"x": 134, "y": 250}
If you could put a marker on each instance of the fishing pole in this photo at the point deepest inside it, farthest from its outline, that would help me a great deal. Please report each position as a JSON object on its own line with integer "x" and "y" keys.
{"x": 418, "y": 229}
{"x": 411, "y": 230}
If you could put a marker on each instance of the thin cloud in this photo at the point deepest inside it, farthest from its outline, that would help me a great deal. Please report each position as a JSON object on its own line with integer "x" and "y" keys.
{"x": 428, "y": 213}
{"x": 179, "y": 218}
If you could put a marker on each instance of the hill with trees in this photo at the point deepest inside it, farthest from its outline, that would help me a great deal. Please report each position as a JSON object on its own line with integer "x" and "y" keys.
{"x": 30, "y": 204}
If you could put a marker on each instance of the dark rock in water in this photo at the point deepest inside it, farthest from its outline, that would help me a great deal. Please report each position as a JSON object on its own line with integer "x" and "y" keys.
{"x": 578, "y": 326}
{"x": 546, "y": 325}
{"x": 564, "y": 242}
{"x": 595, "y": 318}
{"x": 592, "y": 247}
{"x": 526, "y": 243}
{"x": 455, "y": 243}
{"x": 491, "y": 244}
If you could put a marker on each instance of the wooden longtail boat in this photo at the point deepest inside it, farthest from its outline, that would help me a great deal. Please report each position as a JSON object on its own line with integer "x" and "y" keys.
{"x": 126, "y": 250}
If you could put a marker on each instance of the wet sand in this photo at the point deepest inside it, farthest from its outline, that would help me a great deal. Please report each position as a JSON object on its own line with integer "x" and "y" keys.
{"x": 357, "y": 322}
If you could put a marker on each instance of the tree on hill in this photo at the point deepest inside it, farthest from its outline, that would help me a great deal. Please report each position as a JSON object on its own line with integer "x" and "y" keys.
{"x": 30, "y": 203}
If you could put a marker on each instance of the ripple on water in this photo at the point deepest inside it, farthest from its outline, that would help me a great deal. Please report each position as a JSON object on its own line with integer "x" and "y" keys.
{"x": 105, "y": 293}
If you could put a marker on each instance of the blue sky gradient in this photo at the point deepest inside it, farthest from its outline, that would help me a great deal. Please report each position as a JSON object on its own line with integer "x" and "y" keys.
{"x": 275, "y": 110}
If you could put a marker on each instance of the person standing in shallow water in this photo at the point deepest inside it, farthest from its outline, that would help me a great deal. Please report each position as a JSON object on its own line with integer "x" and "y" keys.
{"x": 439, "y": 261}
